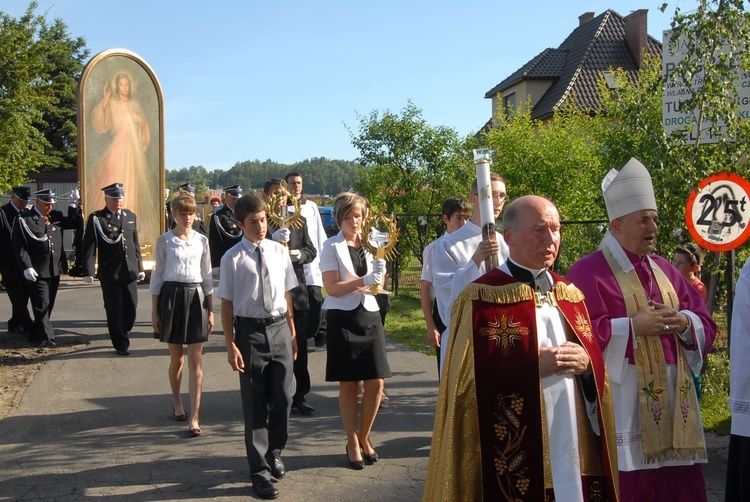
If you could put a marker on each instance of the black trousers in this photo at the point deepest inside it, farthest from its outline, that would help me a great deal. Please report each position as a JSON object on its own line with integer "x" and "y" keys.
{"x": 42, "y": 294}
{"x": 15, "y": 285}
{"x": 120, "y": 302}
{"x": 266, "y": 387}
{"x": 315, "y": 297}
{"x": 440, "y": 327}
{"x": 301, "y": 373}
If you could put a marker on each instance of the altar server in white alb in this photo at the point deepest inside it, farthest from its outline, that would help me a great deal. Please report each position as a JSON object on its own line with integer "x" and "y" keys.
{"x": 460, "y": 256}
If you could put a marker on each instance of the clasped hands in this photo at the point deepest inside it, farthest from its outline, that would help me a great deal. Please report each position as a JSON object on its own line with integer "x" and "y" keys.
{"x": 566, "y": 359}
{"x": 658, "y": 319}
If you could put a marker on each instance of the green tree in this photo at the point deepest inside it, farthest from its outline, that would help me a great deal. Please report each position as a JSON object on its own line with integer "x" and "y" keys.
{"x": 39, "y": 68}
{"x": 24, "y": 95}
{"x": 66, "y": 58}
{"x": 555, "y": 159}
{"x": 410, "y": 167}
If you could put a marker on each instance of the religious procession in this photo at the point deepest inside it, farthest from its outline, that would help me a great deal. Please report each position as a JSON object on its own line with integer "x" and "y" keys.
{"x": 532, "y": 381}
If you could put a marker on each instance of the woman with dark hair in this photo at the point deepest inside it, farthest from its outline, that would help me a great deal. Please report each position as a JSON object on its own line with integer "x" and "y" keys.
{"x": 356, "y": 340}
{"x": 181, "y": 307}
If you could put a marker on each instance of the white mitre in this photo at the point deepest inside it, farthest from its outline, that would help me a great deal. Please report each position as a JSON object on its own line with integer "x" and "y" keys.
{"x": 628, "y": 190}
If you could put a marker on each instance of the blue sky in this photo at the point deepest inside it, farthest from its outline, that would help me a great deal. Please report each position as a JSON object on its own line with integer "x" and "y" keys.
{"x": 250, "y": 79}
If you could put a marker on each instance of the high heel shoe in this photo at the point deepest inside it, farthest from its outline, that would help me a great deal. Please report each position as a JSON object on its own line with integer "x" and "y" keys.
{"x": 370, "y": 459}
{"x": 357, "y": 465}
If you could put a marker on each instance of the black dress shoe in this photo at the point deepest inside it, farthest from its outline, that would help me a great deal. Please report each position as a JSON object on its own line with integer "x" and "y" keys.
{"x": 357, "y": 465}
{"x": 320, "y": 339}
{"x": 304, "y": 408}
{"x": 123, "y": 352}
{"x": 265, "y": 490}
{"x": 47, "y": 343}
{"x": 278, "y": 470}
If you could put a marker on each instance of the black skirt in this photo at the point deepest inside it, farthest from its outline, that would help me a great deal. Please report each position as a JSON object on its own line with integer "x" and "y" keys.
{"x": 355, "y": 346}
{"x": 182, "y": 313}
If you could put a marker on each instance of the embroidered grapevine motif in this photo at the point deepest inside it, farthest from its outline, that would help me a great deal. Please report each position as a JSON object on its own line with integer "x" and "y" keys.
{"x": 504, "y": 332}
{"x": 510, "y": 459}
{"x": 583, "y": 325}
{"x": 652, "y": 394}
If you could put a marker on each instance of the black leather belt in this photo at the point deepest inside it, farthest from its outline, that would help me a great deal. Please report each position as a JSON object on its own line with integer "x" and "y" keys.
{"x": 262, "y": 321}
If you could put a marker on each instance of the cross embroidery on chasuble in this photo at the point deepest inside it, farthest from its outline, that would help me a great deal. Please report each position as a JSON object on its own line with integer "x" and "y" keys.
{"x": 504, "y": 332}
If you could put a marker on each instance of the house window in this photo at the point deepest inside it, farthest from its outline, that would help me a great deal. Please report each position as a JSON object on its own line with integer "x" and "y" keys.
{"x": 509, "y": 103}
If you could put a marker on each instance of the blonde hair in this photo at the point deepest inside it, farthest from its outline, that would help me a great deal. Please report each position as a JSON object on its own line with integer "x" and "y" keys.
{"x": 346, "y": 202}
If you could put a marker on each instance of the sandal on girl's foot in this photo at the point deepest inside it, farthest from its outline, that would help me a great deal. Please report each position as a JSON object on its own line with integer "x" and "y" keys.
{"x": 194, "y": 433}
{"x": 179, "y": 418}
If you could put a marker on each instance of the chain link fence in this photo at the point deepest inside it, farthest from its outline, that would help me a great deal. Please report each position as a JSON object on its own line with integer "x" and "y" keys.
{"x": 579, "y": 238}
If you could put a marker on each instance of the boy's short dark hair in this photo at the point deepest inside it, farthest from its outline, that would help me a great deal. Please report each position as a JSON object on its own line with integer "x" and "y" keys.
{"x": 250, "y": 203}
{"x": 457, "y": 205}
{"x": 292, "y": 174}
{"x": 270, "y": 183}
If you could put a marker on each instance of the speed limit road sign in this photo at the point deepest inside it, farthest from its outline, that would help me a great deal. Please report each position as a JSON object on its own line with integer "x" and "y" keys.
{"x": 717, "y": 214}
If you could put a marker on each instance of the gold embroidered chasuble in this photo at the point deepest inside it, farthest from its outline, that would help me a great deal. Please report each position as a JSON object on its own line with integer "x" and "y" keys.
{"x": 489, "y": 440}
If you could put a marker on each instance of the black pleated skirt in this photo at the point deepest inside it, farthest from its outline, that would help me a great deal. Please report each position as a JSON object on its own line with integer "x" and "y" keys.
{"x": 355, "y": 346}
{"x": 182, "y": 312}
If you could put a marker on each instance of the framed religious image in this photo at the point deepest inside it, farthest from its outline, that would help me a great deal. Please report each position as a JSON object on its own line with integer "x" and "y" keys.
{"x": 121, "y": 139}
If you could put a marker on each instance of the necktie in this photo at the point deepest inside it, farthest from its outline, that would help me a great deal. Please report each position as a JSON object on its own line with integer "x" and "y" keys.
{"x": 265, "y": 282}
{"x": 45, "y": 219}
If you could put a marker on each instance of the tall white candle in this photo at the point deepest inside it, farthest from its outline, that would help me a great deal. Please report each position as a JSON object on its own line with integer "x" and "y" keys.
{"x": 482, "y": 161}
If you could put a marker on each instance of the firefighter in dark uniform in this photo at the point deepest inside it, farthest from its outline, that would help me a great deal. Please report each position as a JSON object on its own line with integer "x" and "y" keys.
{"x": 38, "y": 246}
{"x": 13, "y": 280}
{"x": 198, "y": 225}
{"x": 223, "y": 230}
{"x": 111, "y": 234}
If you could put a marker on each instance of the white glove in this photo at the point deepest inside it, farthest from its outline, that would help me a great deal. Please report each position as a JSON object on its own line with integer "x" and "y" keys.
{"x": 294, "y": 253}
{"x": 373, "y": 278}
{"x": 141, "y": 276}
{"x": 281, "y": 235}
{"x": 88, "y": 279}
{"x": 74, "y": 196}
{"x": 30, "y": 274}
{"x": 378, "y": 266}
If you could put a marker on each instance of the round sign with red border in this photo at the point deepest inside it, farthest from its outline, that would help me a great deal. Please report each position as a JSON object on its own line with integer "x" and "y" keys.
{"x": 717, "y": 215}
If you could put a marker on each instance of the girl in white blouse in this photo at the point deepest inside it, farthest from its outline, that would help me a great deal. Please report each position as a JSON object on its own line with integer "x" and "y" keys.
{"x": 182, "y": 310}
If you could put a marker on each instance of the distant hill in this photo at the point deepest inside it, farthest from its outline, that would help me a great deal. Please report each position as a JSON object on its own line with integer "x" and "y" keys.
{"x": 321, "y": 175}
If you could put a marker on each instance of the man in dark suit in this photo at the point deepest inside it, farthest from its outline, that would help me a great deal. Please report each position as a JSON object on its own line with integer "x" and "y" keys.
{"x": 20, "y": 321}
{"x": 38, "y": 246}
{"x": 111, "y": 234}
{"x": 301, "y": 251}
{"x": 223, "y": 232}
{"x": 198, "y": 225}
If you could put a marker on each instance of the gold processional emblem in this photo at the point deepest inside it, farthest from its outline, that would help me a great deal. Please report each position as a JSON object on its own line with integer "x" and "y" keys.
{"x": 278, "y": 212}
{"x": 380, "y": 243}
